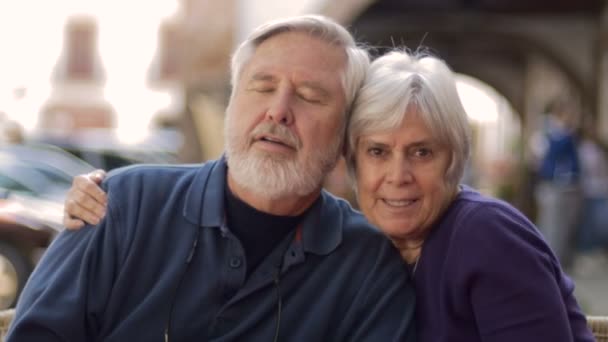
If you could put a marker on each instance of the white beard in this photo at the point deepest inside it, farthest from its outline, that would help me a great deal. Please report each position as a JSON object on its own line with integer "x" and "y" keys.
{"x": 275, "y": 176}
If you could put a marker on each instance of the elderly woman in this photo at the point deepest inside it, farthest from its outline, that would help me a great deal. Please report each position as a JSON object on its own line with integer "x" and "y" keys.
{"x": 482, "y": 271}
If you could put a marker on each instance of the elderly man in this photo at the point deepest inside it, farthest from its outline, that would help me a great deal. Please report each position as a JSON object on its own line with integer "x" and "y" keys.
{"x": 247, "y": 247}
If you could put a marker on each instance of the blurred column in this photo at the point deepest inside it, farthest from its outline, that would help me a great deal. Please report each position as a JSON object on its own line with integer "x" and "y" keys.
{"x": 602, "y": 82}
{"x": 193, "y": 62}
{"x": 545, "y": 82}
{"x": 77, "y": 98}
{"x": 344, "y": 11}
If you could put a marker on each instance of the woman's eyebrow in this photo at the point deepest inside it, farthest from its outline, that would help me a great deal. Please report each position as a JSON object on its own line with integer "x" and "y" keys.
{"x": 423, "y": 142}
{"x": 373, "y": 143}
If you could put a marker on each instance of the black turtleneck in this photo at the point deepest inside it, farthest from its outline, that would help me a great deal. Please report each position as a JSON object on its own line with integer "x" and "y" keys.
{"x": 258, "y": 232}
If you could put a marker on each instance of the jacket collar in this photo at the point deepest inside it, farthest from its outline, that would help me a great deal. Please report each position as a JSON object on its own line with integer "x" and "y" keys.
{"x": 322, "y": 226}
{"x": 204, "y": 203}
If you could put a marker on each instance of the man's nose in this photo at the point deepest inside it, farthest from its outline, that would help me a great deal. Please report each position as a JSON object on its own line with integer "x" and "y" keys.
{"x": 280, "y": 109}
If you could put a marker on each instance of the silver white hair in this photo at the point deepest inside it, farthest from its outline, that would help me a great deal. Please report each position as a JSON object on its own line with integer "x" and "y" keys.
{"x": 399, "y": 80}
{"x": 317, "y": 26}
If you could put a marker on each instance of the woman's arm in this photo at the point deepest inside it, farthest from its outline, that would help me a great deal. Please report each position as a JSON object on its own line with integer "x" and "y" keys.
{"x": 85, "y": 202}
{"x": 515, "y": 285}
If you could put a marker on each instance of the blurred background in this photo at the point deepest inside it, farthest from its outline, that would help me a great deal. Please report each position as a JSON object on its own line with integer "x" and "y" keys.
{"x": 108, "y": 83}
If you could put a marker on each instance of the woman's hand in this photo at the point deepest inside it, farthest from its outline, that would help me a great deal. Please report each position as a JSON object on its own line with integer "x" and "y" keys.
{"x": 85, "y": 201}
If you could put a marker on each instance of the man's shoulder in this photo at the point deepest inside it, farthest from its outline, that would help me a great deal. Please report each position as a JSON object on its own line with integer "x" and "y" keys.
{"x": 158, "y": 181}
{"x": 355, "y": 227}
{"x": 143, "y": 170}
{"x": 153, "y": 174}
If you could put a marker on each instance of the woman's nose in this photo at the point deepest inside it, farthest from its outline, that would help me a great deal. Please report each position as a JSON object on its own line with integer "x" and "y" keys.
{"x": 400, "y": 172}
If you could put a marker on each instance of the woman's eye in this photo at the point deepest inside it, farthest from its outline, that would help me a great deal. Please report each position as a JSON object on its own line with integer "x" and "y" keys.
{"x": 423, "y": 152}
{"x": 375, "y": 152}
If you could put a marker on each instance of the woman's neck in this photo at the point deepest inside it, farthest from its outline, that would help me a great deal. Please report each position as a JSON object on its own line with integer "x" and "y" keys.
{"x": 409, "y": 250}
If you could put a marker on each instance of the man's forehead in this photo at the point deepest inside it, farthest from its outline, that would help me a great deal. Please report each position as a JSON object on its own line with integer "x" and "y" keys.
{"x": 307, "y": 45}
{"x": 262, "y": 74}
{"x": 267, "y": 69}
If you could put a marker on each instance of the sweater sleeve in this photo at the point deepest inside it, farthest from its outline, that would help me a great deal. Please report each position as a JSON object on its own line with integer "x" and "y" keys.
{"x": 511, "y": 279}
{"x": 64, "y": 298}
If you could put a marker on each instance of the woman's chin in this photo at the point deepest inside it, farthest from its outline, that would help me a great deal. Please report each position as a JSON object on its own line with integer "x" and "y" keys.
{"x": 398, "y": 233}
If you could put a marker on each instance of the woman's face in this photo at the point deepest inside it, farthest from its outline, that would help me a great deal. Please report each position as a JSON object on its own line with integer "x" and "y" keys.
{"x": 401, "y": 179}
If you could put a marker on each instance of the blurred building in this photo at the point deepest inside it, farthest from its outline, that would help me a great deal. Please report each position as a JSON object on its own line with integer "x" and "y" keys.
{"x": 192, "y": 63}
{"x": 530, "y": 52}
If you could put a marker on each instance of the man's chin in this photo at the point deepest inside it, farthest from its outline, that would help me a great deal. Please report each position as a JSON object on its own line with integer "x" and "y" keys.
{"x": 262, "y": 189}
{"x": 264, "y": 156}
{"x": 274, "y": 175}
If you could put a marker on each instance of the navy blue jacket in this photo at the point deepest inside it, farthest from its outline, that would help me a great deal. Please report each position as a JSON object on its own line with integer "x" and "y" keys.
{"x": 163, "y": 252}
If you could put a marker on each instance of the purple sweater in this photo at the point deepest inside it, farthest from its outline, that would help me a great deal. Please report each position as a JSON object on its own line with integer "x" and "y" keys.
{"x": 486, "y": 274}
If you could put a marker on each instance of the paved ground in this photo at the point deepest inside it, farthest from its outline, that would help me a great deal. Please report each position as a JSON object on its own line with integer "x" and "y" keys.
{"x": 592, "y": 293}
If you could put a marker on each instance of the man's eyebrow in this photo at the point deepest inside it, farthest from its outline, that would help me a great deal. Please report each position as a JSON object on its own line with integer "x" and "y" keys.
{"x": 261, "y": 76}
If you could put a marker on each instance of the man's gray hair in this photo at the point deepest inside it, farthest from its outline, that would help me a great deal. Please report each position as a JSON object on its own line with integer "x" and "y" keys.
{"x": 399, "y": 80}
{"x": 317, "y": 26}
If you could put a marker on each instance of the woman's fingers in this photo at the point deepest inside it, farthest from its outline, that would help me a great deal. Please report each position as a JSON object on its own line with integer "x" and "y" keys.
{"x": 85, "y": 201}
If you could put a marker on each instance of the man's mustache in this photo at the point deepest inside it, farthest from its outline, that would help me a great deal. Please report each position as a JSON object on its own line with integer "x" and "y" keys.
{"x": 278, "y": 131}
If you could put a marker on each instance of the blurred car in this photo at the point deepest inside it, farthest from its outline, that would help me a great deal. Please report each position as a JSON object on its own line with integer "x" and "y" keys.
{"x": 22, "y": 240}
{"x": 34, "y": 180}
{"x": 19, "y": 177}
{"x": 102, "y": 149}
{"x": 56, "y": 164}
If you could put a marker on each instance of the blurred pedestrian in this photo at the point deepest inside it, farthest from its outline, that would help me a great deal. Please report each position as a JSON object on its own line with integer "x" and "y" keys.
{"x": 592, "y": 237}
{"x": 557, "y": 192}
